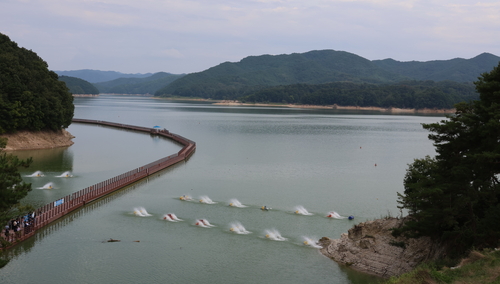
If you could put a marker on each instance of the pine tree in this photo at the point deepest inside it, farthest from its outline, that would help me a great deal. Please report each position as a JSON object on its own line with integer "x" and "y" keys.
{"x": 454, "y": 197}
{"x": 12, "y": 187}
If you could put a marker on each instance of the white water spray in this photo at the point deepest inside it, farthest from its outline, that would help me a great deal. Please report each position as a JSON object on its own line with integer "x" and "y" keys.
{"x": 47, "y": 186}
{"x": 36, "y": 174}
{"x": 65, "y": 175}
{"x": 203, "y": 223}
{"x": 310, "y": 242}
{"x": 206, "y": 200}
{"x": 302, "y": 211}
{"x": 171, "y": 217}
{"x": 334, "y": 215}
{"x": 141, "y": 212}
{"x": 236, "y": 203}
{"x": 237, "y": 228}
{"x": 274, "y": 235}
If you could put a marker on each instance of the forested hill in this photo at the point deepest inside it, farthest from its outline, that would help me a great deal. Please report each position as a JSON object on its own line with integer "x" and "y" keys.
{"x": 408, "y": 94}
{"x": 230, "y": 80}
{"x": 31, "y": 96}
{"x": 458, "y": 69}
{"x": 146, "y": 85}
{"x": 265, "y": 73}
{"x": 79, "y": 86}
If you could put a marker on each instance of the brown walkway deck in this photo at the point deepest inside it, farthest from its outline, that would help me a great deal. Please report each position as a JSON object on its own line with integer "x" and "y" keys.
{"x": 54, "y": 210}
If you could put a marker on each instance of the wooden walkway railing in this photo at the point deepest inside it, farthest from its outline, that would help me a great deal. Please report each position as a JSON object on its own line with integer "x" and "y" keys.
{"x": 54, "y": 210}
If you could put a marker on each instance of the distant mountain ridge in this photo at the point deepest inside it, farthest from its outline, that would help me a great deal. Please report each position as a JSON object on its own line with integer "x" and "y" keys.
{"x": 95, "y": 76}
{"x": 233, "y": 80}
{"x": 79, "y": 86}
{"x": 146, "y": 85}
{"x": 457, "y": 69}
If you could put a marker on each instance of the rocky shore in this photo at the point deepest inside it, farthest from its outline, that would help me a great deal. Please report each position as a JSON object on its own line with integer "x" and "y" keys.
{"x": 30, "y": 140}
{"x": 369, "y": 247}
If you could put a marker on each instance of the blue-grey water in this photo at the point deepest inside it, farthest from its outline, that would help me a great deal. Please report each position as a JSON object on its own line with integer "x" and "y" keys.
{"x": 322, "y": 160}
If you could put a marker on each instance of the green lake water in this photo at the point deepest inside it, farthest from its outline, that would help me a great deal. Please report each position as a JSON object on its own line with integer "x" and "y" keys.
{"x": 286, "y": 159}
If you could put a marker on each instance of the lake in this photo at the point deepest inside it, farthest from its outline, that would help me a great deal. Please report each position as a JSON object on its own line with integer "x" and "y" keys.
{"x": 291, "y": 160}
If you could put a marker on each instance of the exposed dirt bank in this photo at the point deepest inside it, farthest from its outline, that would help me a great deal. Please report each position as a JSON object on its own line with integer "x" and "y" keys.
{"x": 390, "y": 110}
{"x": 29, "y": 140}
{"x": 370, "y": 247}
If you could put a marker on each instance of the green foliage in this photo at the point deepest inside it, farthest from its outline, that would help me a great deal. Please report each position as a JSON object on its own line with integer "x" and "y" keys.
{"x": 147, "y": 85}
{"x": 3, "y": 261}
{"x": 314, "y": 78}
{"x": 408, "y": 94}
{"x": 230, "y": 80}
{"x": 31, "y": 97}
{"x": 79, "y": 86}
{"x": 458, "y": 69}
{"x": 477, "y": 268}
{"x": 12, "y": 187}
{"x": 454, "y": 197}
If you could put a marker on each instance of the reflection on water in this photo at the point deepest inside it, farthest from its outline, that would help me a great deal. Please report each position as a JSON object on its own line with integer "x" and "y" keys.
{"x": 50, "y": 160}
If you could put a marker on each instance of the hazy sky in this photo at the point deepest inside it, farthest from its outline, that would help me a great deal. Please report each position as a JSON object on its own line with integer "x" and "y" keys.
{"x": 140, "y": 36}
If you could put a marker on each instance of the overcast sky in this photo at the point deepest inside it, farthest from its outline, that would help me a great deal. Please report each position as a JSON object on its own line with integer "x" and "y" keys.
{"x": 180, "y": 36}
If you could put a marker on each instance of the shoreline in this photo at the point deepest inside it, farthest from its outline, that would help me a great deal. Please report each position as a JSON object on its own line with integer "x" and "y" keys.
{"x": 332, "y": 107}
{"x": 337, "y": 107}
{"x": 34, "y": 140}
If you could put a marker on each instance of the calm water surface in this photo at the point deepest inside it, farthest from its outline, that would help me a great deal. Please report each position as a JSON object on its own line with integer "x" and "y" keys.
{"x": 322, "y": 160}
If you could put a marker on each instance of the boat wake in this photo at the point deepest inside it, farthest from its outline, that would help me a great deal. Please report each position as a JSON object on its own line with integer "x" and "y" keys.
{"x": 171, "y": 217}
{"x": 141, "y": 212}
{"x": 237, "y": 228}
{"x": 334, "y": 215}
{"x": 236, "y": 203}
{"x": 274, "y": 235}
{"x": 47, "y": 186}
{"x": 203, "y": 223}
{"x": 36, "y": 174}
{"x": 302, "y": 211}
{"x": 206, "y": 200}
{"x": 65, "y": 175}
{"x": 310, "y": 242}
{"x": 186, "y": 198}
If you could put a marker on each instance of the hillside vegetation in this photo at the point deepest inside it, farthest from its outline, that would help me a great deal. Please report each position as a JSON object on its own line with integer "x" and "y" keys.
{"x": 454, "y": 197}
{"x": 479, "y": 267}
{"x": 31, "y": 96}
{"x": 328, "y": 77}
{"x": 230, "y": 80}
{"x": 408, "y": 94}
{"x": 79, "y": 86}
{"x": 146, "y": 85}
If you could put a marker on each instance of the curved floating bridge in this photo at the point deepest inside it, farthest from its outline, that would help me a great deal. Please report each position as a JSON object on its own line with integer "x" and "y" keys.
{"x": 54, "y": 210}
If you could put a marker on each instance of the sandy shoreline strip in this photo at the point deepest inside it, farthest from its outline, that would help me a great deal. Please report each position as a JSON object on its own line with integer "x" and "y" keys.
{"x": 390, "y": 110}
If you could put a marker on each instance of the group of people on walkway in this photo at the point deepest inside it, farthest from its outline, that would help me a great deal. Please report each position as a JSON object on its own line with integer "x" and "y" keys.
{"x": 17, "y": 225}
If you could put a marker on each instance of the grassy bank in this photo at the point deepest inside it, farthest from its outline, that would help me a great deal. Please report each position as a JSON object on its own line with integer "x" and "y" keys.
{"x": 478, "y": 268}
